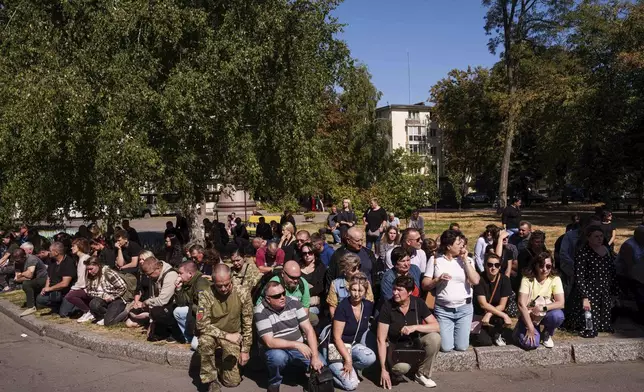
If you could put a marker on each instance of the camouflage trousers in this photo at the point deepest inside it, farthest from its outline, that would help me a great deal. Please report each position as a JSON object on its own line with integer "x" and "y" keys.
{"x": 227, "y": 370}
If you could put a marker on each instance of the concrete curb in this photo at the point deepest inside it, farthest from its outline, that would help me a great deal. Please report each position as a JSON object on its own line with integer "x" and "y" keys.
{"x": 584, "y": 352}
{"x": 174, "y": 356}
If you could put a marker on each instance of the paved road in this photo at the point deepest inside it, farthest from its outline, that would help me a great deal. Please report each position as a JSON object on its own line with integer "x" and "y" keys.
{"x": 38, "y": 364}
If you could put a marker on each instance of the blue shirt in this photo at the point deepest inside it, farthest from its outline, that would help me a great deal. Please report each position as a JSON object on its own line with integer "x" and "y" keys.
{"x": 344, "y": 313}
{"x": 387, "y": 282}
{"x": 326, "y": 254}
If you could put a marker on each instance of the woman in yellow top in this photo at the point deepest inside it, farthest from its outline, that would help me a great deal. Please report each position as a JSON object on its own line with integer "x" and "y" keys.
{"x": 541, "y": 300}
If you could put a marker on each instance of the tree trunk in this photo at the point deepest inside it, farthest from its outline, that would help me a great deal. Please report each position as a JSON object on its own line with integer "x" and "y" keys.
{"x": 196, "y": 232}
{"x": 510, "y": 131}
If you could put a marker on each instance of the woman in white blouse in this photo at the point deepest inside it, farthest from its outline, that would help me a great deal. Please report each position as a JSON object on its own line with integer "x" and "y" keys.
{"x": 452, "y": 274}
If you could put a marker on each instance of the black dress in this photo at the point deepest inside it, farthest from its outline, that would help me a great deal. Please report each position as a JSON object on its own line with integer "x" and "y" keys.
{"x": 595, "y": 280}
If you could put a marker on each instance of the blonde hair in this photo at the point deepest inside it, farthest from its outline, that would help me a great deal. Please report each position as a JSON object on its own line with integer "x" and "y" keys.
{"x": 359, "y": 279}
{"x": 146, "y": 254}
{"x": 289, "y": 226}
{"x": 348, "y": 261}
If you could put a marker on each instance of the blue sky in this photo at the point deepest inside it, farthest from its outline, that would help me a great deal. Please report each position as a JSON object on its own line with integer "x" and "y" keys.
{"x": 438, "y": 34}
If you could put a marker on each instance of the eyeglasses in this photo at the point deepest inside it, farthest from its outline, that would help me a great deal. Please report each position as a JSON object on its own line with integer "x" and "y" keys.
{"x": 547, "y": 266}
{"x": 277, "y": 296}
{"x": 493, "y": 265}
{"x": 356, "y": 268}
{"x": 307, "y": 253}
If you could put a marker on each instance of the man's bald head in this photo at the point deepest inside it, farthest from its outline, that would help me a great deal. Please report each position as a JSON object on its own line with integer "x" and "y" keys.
{"x": 221, "y": 271}
{"x": 355, "y": 237}
{"x": 292, "y": 268}
{"x": 355, "y": 233}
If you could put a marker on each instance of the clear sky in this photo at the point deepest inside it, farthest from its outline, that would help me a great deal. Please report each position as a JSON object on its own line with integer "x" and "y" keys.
{"x": 439, "y": 35}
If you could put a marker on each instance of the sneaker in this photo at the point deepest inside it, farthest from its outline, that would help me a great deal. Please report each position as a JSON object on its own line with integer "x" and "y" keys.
{"x": 424, "y": 381}
{"x": 100, "y": 322}
{"x": 499, "y": 341}
{"x": 85, "y": 318}
{"x": 28, "y": 312}
{"x": 546, "y": 340}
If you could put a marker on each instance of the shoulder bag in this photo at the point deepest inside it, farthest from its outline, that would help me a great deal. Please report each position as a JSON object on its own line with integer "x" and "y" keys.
{"x": 476, "y": 326}
{"x": 322, "y": 381}
{"x": 333, "y": 355}
{"x": 407, "y": 351}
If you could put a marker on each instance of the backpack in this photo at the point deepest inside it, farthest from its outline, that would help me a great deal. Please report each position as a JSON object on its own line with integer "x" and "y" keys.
{"x": 131, "y": 282}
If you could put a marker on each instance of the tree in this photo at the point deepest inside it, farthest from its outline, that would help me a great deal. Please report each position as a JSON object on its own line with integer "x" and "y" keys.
{"x": 103, "y": 98}
{"x": 514, "y": 25}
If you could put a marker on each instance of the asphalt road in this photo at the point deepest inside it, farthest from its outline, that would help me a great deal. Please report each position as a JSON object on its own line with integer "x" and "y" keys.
{"x": 35, "y": 363}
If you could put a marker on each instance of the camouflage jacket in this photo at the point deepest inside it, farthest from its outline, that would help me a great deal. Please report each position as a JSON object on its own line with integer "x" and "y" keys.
{"x": 208, "y": 314}
{"x": 247, "y": 277}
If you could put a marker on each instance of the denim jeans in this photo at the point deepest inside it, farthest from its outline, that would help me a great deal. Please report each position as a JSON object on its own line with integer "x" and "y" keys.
{"x": 512, "y": 232}
{"x": 362, "y": 357}
{"x": 455, "y": 326}
{"x": 336, "y": 236}
{"x": 52, "y": 299}
{"x": 550, "y": 322}
{"x": 371, "y": 241}
{"x": 277, "y": 360}
{"x": 181, "y": 315}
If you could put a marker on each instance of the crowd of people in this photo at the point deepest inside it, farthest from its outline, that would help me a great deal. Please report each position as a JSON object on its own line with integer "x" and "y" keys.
{"x": 383, "y": 297}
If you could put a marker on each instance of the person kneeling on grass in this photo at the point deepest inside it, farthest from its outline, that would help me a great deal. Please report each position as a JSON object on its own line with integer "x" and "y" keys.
{"x": 160, "y": 304}
{"x": 62, "y": 274}
{"x": 189, "y": 285}
{"x": 105, "y": 289}
{"x": 541, "y": 300}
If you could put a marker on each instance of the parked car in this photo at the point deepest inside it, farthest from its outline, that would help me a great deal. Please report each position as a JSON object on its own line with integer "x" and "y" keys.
{"x": 477, "y": 197}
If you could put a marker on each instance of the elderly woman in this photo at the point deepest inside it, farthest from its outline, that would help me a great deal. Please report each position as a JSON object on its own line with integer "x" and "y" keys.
{"x": 595, "y": 284}
{"x": 401, "y": 260}
{"x": 313, "y": 271}
{"x": 339, "y": 289}
{"x": 106, "y": 288}
{"x": 541, "y": 300}
{"x": 346, "y": 352}
{"x": 406, "y": 321}
{"x": 491, "y": 296}
{"x": 452, "y": 274}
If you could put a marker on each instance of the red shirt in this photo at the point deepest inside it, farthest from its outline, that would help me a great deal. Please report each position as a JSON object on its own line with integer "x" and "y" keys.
{"x": 261, "y": 258}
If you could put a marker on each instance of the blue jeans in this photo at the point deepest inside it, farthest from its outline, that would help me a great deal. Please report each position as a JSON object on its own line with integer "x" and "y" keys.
{"x": 277, "y": 360}
{"x": 336, "y": 236}
{"x": 455, "y": 326}
{"x": 362, "y": 357}
{"x": 512, "y": 232}
{"x": 372, "y": 240}
{"x": 180, "y": 314}
{"x": 551, "y": 321}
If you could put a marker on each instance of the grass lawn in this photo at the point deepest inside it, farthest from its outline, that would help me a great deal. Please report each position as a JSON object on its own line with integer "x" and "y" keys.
{"x": 473, "y": 223}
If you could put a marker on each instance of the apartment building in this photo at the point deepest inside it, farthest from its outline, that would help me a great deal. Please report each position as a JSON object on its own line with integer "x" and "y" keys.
{"x": 413, "y": 129}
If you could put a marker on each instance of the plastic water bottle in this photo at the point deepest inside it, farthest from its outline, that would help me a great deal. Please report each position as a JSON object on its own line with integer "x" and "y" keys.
{"x": 589, "y": 320}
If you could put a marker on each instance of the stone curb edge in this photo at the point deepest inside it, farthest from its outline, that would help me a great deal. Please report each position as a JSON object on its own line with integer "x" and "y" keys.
{"x": 173, "y": 356}
{"x": 596, "y": 351}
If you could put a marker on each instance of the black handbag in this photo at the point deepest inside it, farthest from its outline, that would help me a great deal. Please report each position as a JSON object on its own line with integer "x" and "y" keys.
{"x": 322, "y": 381}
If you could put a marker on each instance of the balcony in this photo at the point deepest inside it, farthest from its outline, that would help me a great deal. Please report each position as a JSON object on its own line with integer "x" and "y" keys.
{"x": 415, "y": 122}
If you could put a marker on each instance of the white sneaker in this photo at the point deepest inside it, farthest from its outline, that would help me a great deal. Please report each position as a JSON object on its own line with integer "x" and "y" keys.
{"x": 424, "y": 381}
{"x": 85, "y": 318}
{"x": 548, "y": 343}
{"x": 500, "y": 341}
{"x": 29, "y": 311}
{"x": 100, "y": 322}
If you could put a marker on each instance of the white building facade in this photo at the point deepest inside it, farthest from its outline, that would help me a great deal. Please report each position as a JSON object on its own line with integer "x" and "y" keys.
{"x": 413, "y": 129}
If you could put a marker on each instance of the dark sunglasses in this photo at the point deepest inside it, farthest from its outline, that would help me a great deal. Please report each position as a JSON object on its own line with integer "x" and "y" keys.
{"x": 277, "y": 296}
{"x": 307, "y": 253}
{"x": 493, "y": 265}
{"x": 356, "y": 268}
{"x": 547, "y": 266}
{"x": 291, "y": 277}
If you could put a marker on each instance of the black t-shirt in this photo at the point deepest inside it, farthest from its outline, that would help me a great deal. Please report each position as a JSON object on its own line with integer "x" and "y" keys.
{"x": 345, "y": 216}
{"x": 390, "y": 314}
{"x": 511, "y": 217}
{"x": 607, "y": 229}
{"x": 108, "y": 257}
{"x": 510, "y": 252}
{"x": 131, "y": 250}
{"x": 56, "y": 272}
{"x": 485, "y": 288}
{"x": 375, "y": 218}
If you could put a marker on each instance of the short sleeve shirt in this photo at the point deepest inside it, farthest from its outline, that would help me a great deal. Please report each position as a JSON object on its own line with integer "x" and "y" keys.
{"x": 344, "y": 313}
{"x": 284, "y": 324}
{"x": 485, "y": 289}
{"x": 131, "y": 250}
{"x": 301, "y": 292}
{"x": 547, "y": 290}
{"x": 67, "y": 267}
{"x": 375, "y": 218}
{"x": 40, "y": 270}
{"x": 456, "y": 291}
{"x": 391, "y": 315}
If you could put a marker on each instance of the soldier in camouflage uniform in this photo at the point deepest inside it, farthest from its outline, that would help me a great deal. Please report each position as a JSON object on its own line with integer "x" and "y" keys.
{"x": 224, "y": 319}
{"x": 244, "y": 272}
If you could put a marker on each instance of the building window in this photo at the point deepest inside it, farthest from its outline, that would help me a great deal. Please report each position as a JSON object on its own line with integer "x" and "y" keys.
{"x": 413, "y": 114}
{"x": 432, "y": 151}
{"x": 432, "y": 132}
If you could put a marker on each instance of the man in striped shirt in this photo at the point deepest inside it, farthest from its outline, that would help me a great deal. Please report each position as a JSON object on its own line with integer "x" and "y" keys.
{"x": 280, "y": 322}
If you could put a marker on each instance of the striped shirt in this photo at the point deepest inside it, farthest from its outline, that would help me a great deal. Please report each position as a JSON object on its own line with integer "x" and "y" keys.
{"x": 284, "y": 324}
